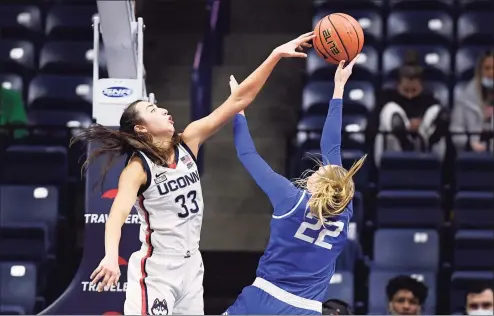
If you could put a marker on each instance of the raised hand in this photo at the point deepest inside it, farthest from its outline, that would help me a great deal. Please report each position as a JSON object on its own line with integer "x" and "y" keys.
{"x": 290, "y": 49}
{"x": 343, "y": 73}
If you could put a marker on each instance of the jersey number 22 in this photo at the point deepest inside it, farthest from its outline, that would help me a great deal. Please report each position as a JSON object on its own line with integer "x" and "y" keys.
{"x": 323, "y": 232}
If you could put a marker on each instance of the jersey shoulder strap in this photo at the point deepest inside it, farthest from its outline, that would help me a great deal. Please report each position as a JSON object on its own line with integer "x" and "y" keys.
{"x": 147, "y": 164}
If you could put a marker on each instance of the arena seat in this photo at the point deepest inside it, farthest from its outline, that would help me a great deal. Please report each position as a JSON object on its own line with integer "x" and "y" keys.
{"x": 370, "y": 21}
{"x": 409, "y": 170}
{"x": 476, "y": 28}
{"x": 406, "y": 249}
{"x": 66, "y": 93}
{"x": 474, "y": 250}
{"x": 343, "y": 5}
{"x": 359, "y": 97}
{"x": 438, "y": 88}
{"x": 420, "y": 27}
{"x": 70, "y": 22}
{"x": 473, "y": 210}
{"x": 462, "y": 281}
{"x": 475, "y": 172}
{"x": 378, "y": 279}
{"x": 417, "y": 209}
{"x": 351, "y": 253}
{"x": 366, "y": 68}
{"x": 466, "y": 61}
{"x": 69, "y": 58}
{"x": 36, "y": 165}
{"x": 59, "y": 118}
{"x": 18, "y": 287}
{"x": 341, "y": 287}
{"x": 38, "y": 204}
{"x": 12, "y": 82}
{"x": 478, "y": 5}
{"x": 24, "y": 242}
{"x": 20, "y": 21}
{"x": 435, "y": 59}
{"x": 421, "y": 4}
{"x": 17, "y": 57}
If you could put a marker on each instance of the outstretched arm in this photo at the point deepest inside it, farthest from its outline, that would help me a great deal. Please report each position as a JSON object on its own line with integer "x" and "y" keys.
{"x": 281, "y": 192}
{"x": 198, "y": 131}
{"x": 331, "y": 133}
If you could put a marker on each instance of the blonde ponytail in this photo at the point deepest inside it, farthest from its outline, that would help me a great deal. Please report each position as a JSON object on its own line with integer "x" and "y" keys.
{"x": 332, "y": 189}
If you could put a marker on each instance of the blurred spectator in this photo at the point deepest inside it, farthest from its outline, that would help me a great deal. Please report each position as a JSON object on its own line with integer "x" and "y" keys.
{"x": 406, "y": 295}
{"x": 336, "y": 307}
{"x": 12, "y": 111}
{"x": 473, "y": 111}
{"x": 408, "y": 108}
{"x": 480, "y": 300}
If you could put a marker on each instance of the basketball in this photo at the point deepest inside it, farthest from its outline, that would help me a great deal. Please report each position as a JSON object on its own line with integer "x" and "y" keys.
{"x": 338, "y": 37}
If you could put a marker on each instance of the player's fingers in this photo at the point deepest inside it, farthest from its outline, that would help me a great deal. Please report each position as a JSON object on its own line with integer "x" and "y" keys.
{"x": 306, "y": 34}
{"x": 232, "y": 79}
{"x": 341, "y": 65}
{"x": 104, "y": 283}
{"x": 299, "y": 55}
{"x": 98, "y": 277}
{"x": 305, "y": 39}
{"x": 111, "y": 280}
{"x": 95, "y": 272}
{"x": 306, "y": 44}
{"x": 353, "y": 61}
{"x": 117, "y": 278}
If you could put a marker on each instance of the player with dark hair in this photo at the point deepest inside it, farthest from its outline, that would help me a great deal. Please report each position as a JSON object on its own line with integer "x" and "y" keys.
{"x": 161, "y": 180}
{"x": 309, "y": 226}
{"x": 406, "y": 295}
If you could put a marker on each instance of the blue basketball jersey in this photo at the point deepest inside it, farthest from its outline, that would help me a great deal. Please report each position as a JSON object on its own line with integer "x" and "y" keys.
{"x": 301, "y": 253}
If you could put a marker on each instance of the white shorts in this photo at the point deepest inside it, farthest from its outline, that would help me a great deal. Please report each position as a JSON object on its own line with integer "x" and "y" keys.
{"x": 164, "y": 284}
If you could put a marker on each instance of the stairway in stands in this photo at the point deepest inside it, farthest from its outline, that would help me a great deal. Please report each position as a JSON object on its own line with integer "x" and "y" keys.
{"x": 231, "y": 196}
{"x": 173, "y": 29}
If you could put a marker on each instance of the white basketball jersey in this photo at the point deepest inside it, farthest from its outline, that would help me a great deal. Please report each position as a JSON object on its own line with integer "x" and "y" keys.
{"x": 171, "y": 206}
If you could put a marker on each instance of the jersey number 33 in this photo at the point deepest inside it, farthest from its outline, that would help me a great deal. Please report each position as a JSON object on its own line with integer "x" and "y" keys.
{"x": 322, "y": 231}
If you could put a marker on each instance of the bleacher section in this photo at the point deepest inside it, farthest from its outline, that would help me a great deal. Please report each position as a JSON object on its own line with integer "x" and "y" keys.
{"x": 403, "y": 222}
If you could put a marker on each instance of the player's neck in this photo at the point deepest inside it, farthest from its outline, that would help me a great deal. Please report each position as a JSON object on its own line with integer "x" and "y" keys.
{"x": 162, "y": 142}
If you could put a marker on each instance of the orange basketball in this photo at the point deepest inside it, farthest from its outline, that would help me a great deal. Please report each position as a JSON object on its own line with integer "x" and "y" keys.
{"x": 338, "y": 37}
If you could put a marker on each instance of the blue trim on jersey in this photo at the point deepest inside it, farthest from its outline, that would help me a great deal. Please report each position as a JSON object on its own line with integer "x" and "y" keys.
{"x": 187, "y": 148}
{"x": 293, "y": 209}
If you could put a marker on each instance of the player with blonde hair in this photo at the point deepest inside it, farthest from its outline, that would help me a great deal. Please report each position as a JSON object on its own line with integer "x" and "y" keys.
{"x": 309, "y": 226}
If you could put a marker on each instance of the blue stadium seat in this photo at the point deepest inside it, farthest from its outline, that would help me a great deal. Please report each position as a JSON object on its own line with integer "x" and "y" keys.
{"x": 28, "y": 205}
{"x": 409, "y": 209}
{"x": 409, "y": 170}
{"x": 18, "y": 287}
{"x": 421, "y": 4}
{"x": 351, "y": 253}
{"x": 378, "y": 279}
{"x": 70, "y": 22}
{"x": 69, "y": 58}
{"x": 20, "y": 21}
{"x": 435, "y": 59}
{"x": 438, "y": 88}
{"x": 474, "y": 210}
{"x": 466, "y": 61}
{"x": 475, "y": 172}
{"x": 366, "y": 68}
{"x": 341, "y": 287}
{"x": 359, "y": 97}
{"x": 17, "y": 57}
{"x": 420, "y": 27}
{"x": 53, "y": 92}
{"x": 474, "y": 249}
{"x": 369, "y": 20}
{"x": 476, "y": 28}
{"x": 343, "y": 5}
{"x": 461, "y": 282}
{"x": 478, "y": 5}
{"x": 36, "y": 165}
{"x": 406, "y": 249}
{"x": 12, "y": 82}
{"x": 358, "y": 211}
{"x": 59, "y": 118}
{"x": 24, "y": 242}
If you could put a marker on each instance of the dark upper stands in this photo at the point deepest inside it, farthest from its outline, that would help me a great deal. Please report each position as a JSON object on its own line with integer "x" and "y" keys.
{"x": 46, "y": 52}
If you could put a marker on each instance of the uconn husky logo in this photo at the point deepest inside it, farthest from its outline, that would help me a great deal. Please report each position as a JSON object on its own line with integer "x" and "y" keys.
{"x": 117, "y": 92}
{"x": 159, "y": 307}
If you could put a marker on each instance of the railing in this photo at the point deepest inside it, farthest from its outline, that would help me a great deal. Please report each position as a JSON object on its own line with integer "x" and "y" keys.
{"x": 206, "y": 56}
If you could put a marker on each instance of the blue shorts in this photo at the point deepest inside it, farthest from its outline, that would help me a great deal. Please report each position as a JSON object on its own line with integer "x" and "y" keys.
{"x": 254, "y": 301}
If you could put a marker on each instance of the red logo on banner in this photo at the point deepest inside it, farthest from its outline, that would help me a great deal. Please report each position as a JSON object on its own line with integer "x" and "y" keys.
{"x": 122, "y": 261}
{"x": 110, "y": 194}
{"x": 111, "y": 313}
